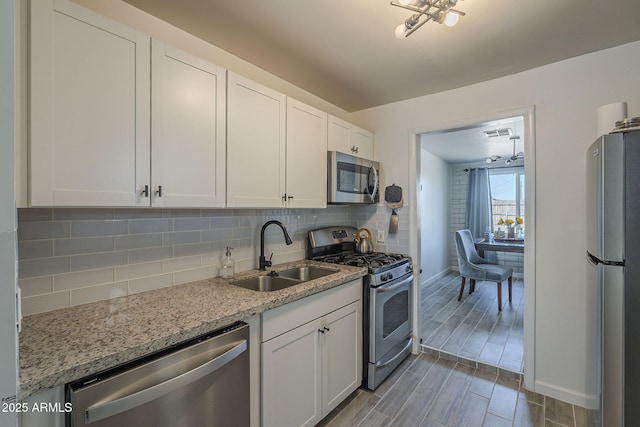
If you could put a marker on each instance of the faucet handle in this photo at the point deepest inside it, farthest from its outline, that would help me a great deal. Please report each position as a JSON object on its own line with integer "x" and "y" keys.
{"x": 269, "y": 263}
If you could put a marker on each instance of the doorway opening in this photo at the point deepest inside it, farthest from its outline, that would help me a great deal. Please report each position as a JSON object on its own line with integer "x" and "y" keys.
{"x": 473, "y": 328}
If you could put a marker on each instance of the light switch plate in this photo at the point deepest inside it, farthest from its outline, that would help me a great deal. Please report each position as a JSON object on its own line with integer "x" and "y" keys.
{"x": 380, "y": 235}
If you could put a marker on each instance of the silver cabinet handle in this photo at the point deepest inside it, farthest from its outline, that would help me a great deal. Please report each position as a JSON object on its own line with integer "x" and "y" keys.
{"x": 117, "y": 406}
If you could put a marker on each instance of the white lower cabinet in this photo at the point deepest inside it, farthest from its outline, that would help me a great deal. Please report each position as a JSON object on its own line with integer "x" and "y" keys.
{"x": 316, "y": 363}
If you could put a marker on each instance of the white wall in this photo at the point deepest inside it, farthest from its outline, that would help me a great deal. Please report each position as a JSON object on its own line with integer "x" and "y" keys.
{"x": 565, "y": 95}
{"x": 148, "y": 24}
{"x": 434, "y": 215}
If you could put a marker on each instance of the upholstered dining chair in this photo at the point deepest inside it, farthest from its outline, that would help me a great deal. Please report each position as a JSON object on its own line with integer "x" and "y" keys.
{"x": 474, "y": 267}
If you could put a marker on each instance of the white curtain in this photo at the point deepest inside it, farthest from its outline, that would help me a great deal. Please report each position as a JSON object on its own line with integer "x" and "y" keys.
{"x": 478, "y": 219}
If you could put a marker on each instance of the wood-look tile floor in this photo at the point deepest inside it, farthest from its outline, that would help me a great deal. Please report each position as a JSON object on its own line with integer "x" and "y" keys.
{"x": 473, "y": 328}
{"x": 428, "y": 391}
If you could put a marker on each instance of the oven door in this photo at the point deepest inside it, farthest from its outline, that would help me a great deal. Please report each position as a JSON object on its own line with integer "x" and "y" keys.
{"x": 390, "y": 316}
{"x": 352, "y": 180}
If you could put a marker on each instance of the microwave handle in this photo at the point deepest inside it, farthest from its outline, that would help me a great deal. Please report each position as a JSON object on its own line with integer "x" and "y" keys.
{"x": 375, "y": 184}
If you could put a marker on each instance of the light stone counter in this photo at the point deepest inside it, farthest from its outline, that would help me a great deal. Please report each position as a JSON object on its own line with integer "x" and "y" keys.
{"x": 61, "y": 346}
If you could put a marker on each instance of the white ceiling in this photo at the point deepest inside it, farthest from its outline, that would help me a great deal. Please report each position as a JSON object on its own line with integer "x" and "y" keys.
{"x": 470, "y": 144}
{"x": 345, "y": 51}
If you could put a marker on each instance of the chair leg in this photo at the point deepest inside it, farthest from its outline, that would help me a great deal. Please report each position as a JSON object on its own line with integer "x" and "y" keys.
{"x": 462, "y": 288}
{"x": 472, "y": 286}
{"x": 510, "y": 283}
{"x": 499, "y": 296}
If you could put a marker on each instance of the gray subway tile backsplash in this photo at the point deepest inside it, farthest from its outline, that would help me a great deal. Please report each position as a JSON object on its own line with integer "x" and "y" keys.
{"x": 150, "y": 254}
{"x": 80, "y": 279}
{"x": 98, "y": 228}
{"x": 43, "y": 266}
{"x": 73, "y": 256}
{"x": 29, "y": 249}
{"x": 100, "y": 260}
{"x": 38, "y": 230}
{"x": 181, "y": 237}
{"x": 154, "y": 225}
{"x": 138, "y": 241}
{"x": 83, "y": 245}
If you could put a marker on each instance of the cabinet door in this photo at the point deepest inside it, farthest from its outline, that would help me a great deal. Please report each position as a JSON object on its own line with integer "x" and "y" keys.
{"x": 188, "y": 116}
{"x": 339, "y": 137}
{"x": 349, "y": 138}
{"x": 342, "y": 355}
{"x": 291, "y": 378}
{"x": 363, "y": 141}
{"x": 306, "y": 156}
{"x": 255, "y": 144}
{"x": 89, "y": 108}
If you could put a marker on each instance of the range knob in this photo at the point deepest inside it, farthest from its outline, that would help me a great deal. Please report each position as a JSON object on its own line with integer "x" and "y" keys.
{"x": 408, "y": 268}
{"x": 389, "y": 276}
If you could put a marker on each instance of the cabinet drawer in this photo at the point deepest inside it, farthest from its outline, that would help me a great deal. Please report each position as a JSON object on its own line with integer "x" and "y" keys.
{"x": 282, "y": 319}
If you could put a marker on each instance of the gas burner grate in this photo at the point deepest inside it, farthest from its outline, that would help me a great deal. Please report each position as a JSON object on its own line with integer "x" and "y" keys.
{"x": 372, "y": 261}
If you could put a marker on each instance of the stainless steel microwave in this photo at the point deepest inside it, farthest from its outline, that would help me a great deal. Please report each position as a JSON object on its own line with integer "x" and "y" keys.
{"x": 352, "y": 180}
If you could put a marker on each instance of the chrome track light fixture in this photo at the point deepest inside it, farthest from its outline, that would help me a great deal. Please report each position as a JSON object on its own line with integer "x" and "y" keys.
{"x": 440, "y": 11}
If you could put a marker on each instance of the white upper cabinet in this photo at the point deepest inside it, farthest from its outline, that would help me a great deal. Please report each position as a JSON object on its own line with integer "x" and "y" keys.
{"x": 89, "y": 108}
{"x": 348, "y": 138}
{"x": 256, "y": 144}
{"x": 276, "y": 149}
{"x": 306, "y": 156}
{"x": 118, "y": 122}
{"x": 188, "y": 114}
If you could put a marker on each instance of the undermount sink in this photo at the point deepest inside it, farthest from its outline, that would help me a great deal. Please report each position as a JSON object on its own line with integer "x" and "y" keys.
{"x": 306, "y": 273}
{"x": 283, "y": 279}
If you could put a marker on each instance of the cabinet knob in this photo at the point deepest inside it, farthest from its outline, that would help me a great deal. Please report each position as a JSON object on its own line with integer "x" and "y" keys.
{"x": 321, "y": 331}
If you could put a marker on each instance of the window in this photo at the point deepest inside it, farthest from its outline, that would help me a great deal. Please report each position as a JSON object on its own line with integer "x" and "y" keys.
{"x": 507, "y": 198}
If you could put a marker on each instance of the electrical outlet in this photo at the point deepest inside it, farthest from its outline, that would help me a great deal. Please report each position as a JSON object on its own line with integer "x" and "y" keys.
{"x": 380, "y": 235}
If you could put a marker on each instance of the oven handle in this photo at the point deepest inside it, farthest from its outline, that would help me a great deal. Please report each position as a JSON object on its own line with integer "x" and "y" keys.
{"x": 382, "y": 364}
{"x": 382, "y": 289}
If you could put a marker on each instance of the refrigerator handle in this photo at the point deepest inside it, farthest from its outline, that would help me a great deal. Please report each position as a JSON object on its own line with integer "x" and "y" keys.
{"x": 595, "y": 261}
{"x": 592, "y": 259}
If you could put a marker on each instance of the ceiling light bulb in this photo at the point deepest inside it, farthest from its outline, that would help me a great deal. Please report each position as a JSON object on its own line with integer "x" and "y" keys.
{"x": 401, "y": 31}
{"x": 451, "y": 19}
{"x": 489, "y": 160}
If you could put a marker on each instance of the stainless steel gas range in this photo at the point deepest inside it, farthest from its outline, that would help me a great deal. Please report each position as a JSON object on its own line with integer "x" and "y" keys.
{"x": 387, "y": 299}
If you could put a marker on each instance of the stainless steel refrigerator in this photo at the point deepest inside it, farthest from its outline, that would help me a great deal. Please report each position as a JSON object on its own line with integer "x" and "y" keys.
{"x": 613, "y": 215}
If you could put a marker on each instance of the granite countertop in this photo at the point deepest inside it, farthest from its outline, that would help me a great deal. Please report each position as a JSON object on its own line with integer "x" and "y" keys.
{"x": 64, "y": 345}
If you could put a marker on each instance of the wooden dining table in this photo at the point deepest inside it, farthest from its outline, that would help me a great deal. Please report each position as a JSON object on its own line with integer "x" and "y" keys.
{"x": 500, "y": 245}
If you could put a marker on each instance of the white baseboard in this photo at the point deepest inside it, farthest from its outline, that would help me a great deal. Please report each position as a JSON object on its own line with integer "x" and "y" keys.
{"x": 436, "y": 277}
{"x": 586, "y": 401}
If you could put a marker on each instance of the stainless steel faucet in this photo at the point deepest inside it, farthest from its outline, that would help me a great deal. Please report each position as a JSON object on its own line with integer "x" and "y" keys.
{"x": 263, "y": 261}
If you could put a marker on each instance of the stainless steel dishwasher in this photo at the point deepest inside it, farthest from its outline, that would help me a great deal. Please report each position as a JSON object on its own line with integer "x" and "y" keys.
{"x": 202, "y": 382}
